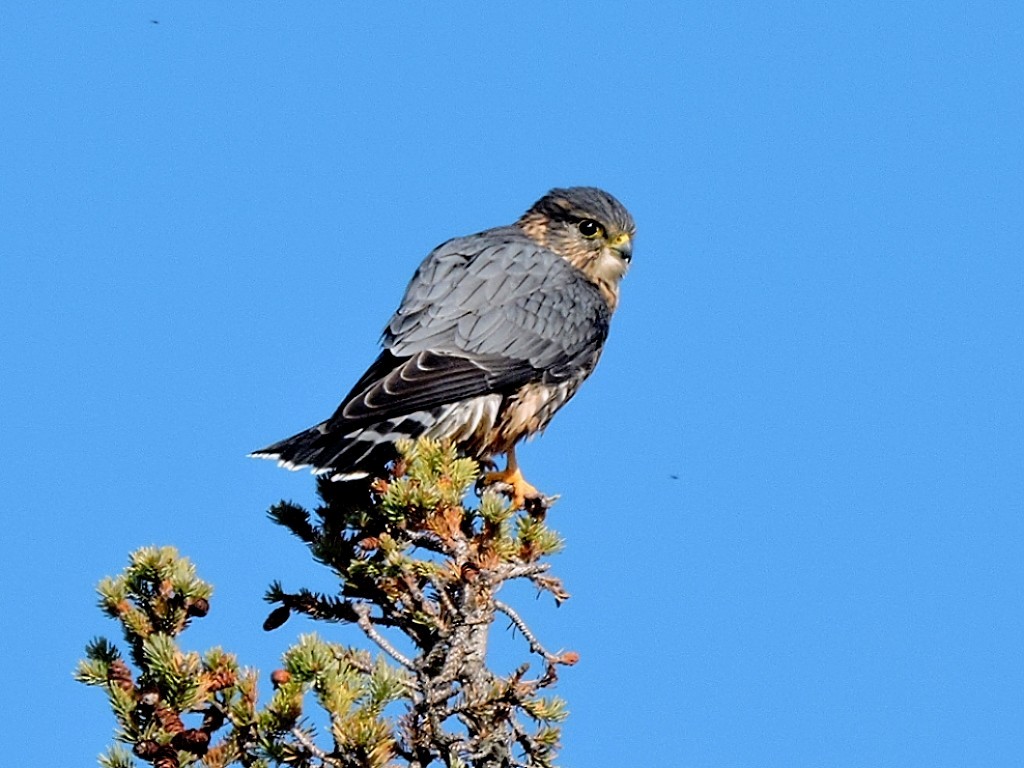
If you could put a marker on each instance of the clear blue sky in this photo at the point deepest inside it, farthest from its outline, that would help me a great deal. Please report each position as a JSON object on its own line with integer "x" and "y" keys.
{"x": 792, "y": 492}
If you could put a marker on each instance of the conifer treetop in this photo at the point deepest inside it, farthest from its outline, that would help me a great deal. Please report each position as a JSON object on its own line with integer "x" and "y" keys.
{"x": 419, "y": 571}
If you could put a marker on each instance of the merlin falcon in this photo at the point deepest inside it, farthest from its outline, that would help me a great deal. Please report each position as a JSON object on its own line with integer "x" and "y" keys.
{"x": 495, "y": 333}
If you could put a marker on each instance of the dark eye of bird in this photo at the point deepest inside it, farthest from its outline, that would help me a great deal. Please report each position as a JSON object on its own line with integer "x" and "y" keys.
{"x": 590, "y": 228}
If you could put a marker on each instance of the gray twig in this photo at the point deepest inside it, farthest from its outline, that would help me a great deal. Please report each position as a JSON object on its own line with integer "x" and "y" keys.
{"x": 531, "y": 638}
{"x": 314, "y": 750}
{"x": 363, "y": 612}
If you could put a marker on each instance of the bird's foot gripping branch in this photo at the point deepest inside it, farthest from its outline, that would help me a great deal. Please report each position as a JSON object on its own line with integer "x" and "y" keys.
{"x": 420, "y": 572}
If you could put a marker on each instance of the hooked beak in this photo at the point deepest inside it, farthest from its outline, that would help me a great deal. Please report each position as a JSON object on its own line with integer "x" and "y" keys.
{"x": 624, "y": 245}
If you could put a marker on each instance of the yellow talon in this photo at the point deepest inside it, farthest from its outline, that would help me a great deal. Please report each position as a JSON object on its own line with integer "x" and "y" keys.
{"x": 512, "y": 477}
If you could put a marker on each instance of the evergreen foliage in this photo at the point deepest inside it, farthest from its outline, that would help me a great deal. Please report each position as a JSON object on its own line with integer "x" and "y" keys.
{"x": 413, "y": 559}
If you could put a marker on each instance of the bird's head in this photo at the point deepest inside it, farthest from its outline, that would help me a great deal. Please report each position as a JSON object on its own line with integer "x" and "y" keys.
{"x": 588, "y": 228}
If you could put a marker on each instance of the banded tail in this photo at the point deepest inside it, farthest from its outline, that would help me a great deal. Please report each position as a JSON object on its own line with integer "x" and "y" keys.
{"x": 345, "y": 456}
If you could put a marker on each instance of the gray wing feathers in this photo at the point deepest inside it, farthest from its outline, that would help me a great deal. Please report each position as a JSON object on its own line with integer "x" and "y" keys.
{"x": 499, "y": 294}
{"x": 424, "y": 381}
{"x": 487, "y": 313}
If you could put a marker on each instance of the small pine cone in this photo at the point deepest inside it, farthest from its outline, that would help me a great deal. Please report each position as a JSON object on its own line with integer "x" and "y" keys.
{"x": 120, "y": 675}
{"x": 198, "y": 607}
{"x": 221, "y": 679}
{"x": 279, "y": 677}
{"x": 277, "y": 617}
{"x": 169, "y": 720}
{"x": 218, "y": 756}
{"x": 568, "y": 658}
{"x": 193, "y": 740}
{"x": 166, "y": 757}
{"x": 368, "y": 544}
{"x": 146, "y": 749}
{"x": 528, "y": 552}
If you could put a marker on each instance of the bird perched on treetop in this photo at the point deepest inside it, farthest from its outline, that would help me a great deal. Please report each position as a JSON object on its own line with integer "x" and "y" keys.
{"x": 495, "y": 333}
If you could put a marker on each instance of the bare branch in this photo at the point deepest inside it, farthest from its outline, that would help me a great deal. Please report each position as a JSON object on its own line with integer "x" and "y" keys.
{"x": 531, "y": 638}
{"x": 521, "y": 570}
{"x": 363, "y": 612}
{"x": 313, "y": 749}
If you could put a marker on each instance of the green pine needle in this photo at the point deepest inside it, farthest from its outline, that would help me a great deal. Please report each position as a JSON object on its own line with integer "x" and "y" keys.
{"x": 118, "y": 757}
